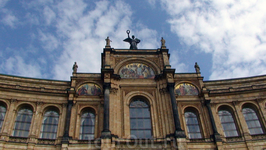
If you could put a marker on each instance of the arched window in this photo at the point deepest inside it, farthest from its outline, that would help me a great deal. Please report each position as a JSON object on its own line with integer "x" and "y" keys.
{"x": 228, "y": 123}
{"x": 49, "y": 125}
{"x": 87, "y": 125}
{"x": 140, "y": 119}
{"x": 252, "y": 121}
{"x": 192, "y": 123}
{"x": 23, "y": 122}
{"x": 2, "y": 115}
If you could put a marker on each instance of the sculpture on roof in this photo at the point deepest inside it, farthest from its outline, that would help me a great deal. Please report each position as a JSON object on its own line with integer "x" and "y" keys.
{"x": 108, "y": 42}
{"x": 75, "y": 67}
{"x": 163, "y": 43}
{"x": 132, "y": 41}
{"x": 197, "y": 68}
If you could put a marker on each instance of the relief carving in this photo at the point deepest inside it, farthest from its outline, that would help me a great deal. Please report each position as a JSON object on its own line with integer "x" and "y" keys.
{"x": 113, "y": 90}
{"x": 107, "y": 75}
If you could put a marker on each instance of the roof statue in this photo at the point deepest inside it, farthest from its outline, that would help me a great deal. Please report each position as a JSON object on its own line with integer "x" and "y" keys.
{"x": 108, "y": 42}
{"x": 75, "y": 67}
{"x": 197, "y": 68}
{"x": 132, "y": 41}
{"x": 163, "y": 43}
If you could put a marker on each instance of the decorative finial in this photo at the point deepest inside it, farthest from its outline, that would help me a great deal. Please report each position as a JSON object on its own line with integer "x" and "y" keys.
{"x": 163, "y": 43}
{"x": 75, "y": 67}
{"x": 197, "y": 68}
{"x": 132, "y": 41}
{"x": 107, "y": 42}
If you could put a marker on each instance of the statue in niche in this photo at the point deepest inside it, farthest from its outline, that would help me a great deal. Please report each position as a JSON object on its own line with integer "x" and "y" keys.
{"x": 132, "y": 41}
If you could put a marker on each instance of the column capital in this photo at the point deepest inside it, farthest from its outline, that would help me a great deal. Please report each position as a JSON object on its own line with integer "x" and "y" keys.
{"x": 107, "y": 85}
{"x": 207, "y": 102}
{"x": 172, "y": 85}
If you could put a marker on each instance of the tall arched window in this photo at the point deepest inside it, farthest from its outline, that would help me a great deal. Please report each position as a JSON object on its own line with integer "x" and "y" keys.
{"x": 2, "y": 115}
{"x": 140, "y": 119}
{"x": 87, "y": 125}
{"x": 228, "y": 122}
{"x": 49, "y": 125}
{"x": 23, "y": 122}
{"x": 192, "y": 123}
{"x": 252, "y": 121}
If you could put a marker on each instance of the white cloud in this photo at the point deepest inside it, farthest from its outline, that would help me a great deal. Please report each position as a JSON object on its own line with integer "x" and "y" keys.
{"x": 83, "y": 32}
{"x": 49, "y": 15}
{"x": 9, "y": 19}
{"x": 49, "y": 41}
{"x": 233, "y": 31}
{"x": 3, "y": 3}
{"x": 17, "y": 66}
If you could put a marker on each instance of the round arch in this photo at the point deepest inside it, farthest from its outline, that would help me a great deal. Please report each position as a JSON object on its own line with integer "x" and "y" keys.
{"x": 51, "y": 107}
{"x": 195, "y": 90}
{"x": 130, "y": 96}
{"x": 124, "y": 62}
{"x": 26, "y": 104}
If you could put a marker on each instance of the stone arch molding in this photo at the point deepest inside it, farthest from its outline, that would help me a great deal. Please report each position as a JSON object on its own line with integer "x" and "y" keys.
{"x": 127, "y": 61}
{"x": 192, "y": 107}
{"x": 132, "y": 94}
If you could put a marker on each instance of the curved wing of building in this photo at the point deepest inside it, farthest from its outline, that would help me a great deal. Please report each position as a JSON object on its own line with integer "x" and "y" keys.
{"x": 137, "y": 101}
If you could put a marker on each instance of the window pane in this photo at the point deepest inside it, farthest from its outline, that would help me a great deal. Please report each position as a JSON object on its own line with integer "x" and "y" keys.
{"x": 2, "y": 115}
{"x": 192, "y": 124}
{"x": 49, "y": 125}
{"x": 228, "y": 123}
{"x": 140, "y": 120}
{"x": 252, "y": 121}
{"x": 22, "y": 122}
{"x": 87, "y": 126}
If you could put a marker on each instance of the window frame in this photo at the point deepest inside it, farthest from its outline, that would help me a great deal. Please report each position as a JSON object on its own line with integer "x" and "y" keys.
{"x": 42, "y": 123}
{"x": 150, "y": 129}
{"x": 230, "y": 111}
{"x": 85, "y": 110}
{"x": 3, "y": 121}
{"x": 252, "y": 107}
{"x": 15, "y": 122}
{"x": 196, "y": 113}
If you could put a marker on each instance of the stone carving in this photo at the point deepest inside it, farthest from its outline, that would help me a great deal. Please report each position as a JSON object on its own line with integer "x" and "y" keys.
{"x": 108, "y": 42}
{"x": 113, "y": 90}
{"x": 197, "y": 68}
{"x": 75, "y": 67}
{"x": 132, "y": 41}
{"x": 106, "y": 75}
{"x": 163, "y": 43}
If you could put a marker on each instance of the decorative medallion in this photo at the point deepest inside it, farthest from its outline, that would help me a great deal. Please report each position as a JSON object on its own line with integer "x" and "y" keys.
{"x": 136, "y": 70}
{"x": 186, "y": 89}
{"x": 89, "y": 89}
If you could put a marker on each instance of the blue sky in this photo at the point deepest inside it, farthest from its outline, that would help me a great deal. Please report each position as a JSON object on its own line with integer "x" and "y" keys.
{"x": 43, "y": 38}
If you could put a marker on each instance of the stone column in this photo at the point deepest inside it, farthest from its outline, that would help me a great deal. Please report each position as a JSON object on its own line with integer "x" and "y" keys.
{"x": 67, "y": 123}
{"x": 179, "y": 133}
{"x": 7, "y": 125}
{"x": 106, "y": 133}
{"x": 216, "y": 135}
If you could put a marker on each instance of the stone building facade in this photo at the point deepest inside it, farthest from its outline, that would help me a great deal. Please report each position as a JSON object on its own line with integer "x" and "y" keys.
{"x": 136, "y": 102}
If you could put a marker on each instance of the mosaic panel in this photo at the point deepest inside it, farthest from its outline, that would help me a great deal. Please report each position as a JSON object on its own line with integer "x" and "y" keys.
{"x": 136, "y": 70}
{"x": 89, "y": 89}
{"x": 186, "y": 89}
